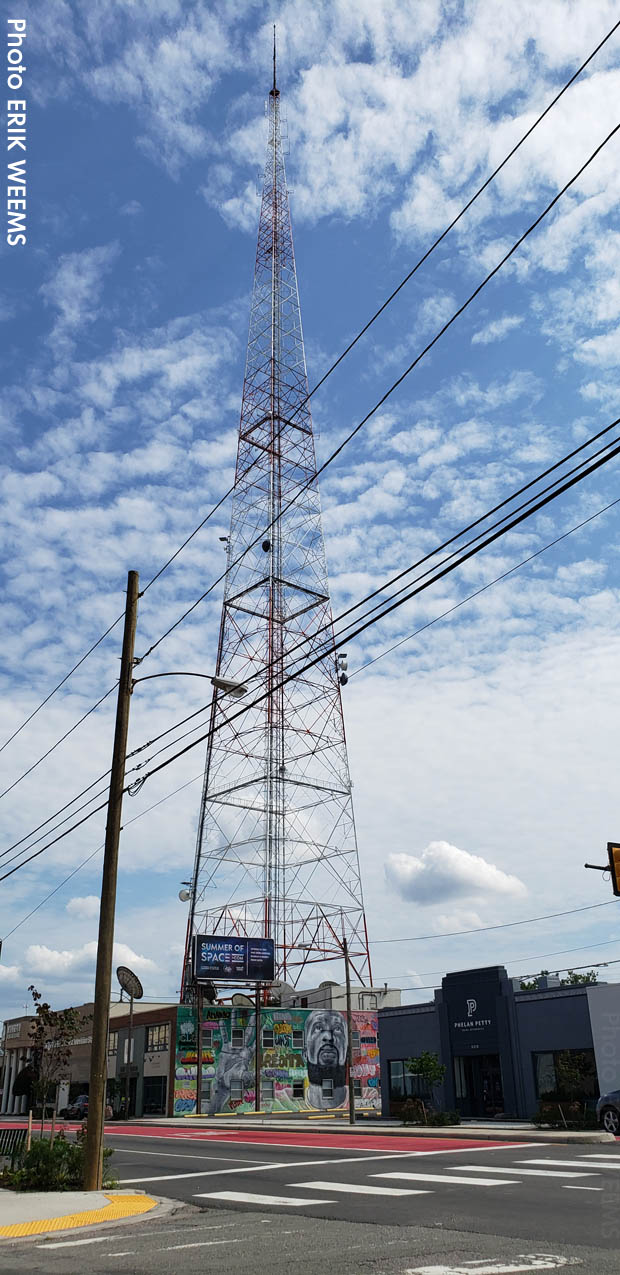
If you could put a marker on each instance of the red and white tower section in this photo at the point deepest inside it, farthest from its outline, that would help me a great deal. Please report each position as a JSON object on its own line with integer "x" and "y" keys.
{"x": 276, "y": 851}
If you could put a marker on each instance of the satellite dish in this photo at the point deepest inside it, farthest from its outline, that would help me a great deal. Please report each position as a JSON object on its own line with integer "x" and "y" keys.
{"x": 184, "y": 896}
{"x": 240, "y": 998}
{"x": 130, "y": 982}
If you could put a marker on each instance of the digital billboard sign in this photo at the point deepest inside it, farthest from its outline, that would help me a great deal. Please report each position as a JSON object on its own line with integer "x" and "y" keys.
{"x": 233, "y": 959}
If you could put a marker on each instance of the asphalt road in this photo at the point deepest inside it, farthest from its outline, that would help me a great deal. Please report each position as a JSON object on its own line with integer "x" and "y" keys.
{"x": 249, "y": 1202}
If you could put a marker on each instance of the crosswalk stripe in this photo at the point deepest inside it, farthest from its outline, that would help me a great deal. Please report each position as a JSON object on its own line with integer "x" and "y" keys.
{"x": 600, "y": 1155}
{"x": 447, "y": 1177}
{"x": 581, "y": 1188}
{"x": 573, "y": 1164}
{"x": 357, "y": 1188}
{"x": 245, "y": 1197}
{"x": 532, "y": 1173}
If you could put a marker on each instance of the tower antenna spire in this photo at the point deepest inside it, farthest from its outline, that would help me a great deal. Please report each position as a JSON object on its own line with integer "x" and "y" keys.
{"x": 274, "y": 60}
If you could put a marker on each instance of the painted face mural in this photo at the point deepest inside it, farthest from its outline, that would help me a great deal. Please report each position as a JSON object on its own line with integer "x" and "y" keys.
{"x": 325, "y": 1051}
{"x": 303, "y": 1060}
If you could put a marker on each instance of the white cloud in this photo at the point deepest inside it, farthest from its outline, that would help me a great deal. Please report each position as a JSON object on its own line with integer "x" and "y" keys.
{"x": 443, "y": 872}
{"x": 74, "y": 289}
{"x": 41, "y": 959}
{"x": 497, "y": 329}
{"x": 9, "y": 973}
{"x": 87, "y": 906}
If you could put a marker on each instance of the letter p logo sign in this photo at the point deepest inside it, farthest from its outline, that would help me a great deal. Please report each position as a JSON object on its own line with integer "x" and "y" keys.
{"x": 472, "y": 1006}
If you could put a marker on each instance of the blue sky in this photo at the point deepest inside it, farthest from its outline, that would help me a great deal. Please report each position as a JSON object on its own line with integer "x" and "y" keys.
{"x": 483, "y": 753}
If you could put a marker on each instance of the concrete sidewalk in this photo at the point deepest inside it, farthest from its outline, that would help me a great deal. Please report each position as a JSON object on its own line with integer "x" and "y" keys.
{"x": 26, "y": 1213}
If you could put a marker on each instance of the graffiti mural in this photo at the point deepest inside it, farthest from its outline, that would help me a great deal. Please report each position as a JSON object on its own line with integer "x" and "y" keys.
{"x": 303, "y": 1060}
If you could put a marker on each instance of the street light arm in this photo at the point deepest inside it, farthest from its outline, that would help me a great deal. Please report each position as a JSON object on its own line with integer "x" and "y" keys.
{"x": 149, "y": 676}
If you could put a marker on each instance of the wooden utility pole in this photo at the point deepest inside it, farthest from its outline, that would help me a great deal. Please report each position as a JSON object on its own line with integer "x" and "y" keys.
{"x": 93, "y": 1159}
{"x": 347, "y": 975}
{"x": 199, "y": 1052}
{"x": 257, "y": 1048}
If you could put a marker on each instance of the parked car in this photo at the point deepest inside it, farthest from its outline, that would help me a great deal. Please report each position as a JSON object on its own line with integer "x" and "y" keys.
{"x": 608, "y": 1111}
{"x": 77, "y": 1110}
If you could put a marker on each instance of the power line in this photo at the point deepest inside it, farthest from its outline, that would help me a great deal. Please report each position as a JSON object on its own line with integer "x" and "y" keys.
{"x": 484, "y": 587}
{"x": 505, "y": 925}
{"x": 337, "y": 361}
{"x": 59, "y": 741}
{"x": 566, "y": 969}
{"x": 98, "y": 851}
{"x": 394, "y": 579}
{"x": 506, "y": 960}
{"x": 352, "y": 434}
{"x": 363, "y": 624}
{"x": 356, "y": 606}
{"x": 394, "y": 602}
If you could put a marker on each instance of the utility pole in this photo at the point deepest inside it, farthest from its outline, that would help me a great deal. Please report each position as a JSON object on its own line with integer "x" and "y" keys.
{"x": 199, "y": 1052}
{"x": 93, "y": 1159}
{"x": 347, "y": 975}
{"x": 129, "y": 1058}
{"x": 257, "y": 1049}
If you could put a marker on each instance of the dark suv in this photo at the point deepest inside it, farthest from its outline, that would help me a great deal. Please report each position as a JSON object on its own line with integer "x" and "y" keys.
{"x": 77, "y": 1110}
{"x": 608, "y": 1111}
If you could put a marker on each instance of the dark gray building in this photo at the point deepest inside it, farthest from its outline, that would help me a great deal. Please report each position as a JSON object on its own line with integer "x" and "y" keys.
{"x": 505, "y": 1050}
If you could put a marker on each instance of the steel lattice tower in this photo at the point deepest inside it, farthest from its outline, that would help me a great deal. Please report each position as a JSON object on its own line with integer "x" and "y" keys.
{"x": 276, "y": 849}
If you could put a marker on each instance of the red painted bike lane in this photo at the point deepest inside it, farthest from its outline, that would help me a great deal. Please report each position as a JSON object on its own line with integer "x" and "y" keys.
{"x": 286, "y": 1138}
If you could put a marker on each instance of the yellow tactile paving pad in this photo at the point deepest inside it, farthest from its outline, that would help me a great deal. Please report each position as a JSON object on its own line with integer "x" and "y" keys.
{"x": 119, "y": 1206}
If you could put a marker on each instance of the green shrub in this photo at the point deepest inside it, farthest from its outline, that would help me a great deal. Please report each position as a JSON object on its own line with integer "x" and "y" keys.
{"x": 565, "y": 1115}
{"x": 415, "y": 1112}
{"x": 52, "y": 1167}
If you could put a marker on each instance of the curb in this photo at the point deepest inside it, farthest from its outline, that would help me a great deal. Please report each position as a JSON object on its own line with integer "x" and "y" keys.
{"x": 121, "y": 1206}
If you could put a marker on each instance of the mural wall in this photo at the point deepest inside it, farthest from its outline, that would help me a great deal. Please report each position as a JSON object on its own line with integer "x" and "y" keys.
{"x": 303, "y": 1060}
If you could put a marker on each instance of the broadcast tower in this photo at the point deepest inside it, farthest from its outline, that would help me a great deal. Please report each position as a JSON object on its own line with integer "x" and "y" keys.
{"x": 276, "y": 851}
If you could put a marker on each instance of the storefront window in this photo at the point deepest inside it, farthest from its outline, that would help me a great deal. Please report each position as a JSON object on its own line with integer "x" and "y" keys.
{"x": 565, "y": 1075}
{"x": 397, "y": 1083}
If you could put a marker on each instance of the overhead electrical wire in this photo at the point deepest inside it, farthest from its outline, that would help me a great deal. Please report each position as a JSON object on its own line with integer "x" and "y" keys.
{"x": 337, "y": 361}
{"x": 565, "y": 969}
{"x": 507, "y": 960}
{"x": 91, "y": 856}
{"x": 505, "y": 925}
{"x": 352, "y": 434}
{"x": 336, "y": 641}
{"x": 204, "y": 708}
{"x": 363, "y": 624}
{"x": 489, "y": 585}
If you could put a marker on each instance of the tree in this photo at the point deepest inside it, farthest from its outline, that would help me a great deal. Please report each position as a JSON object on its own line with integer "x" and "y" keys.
{"x": 428, "y": 1067}
{"x": 572, "y": 979}
{"x": 52, "y": 1033}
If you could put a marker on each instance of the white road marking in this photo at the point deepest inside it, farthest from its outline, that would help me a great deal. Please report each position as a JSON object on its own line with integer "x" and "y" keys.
{"x": 185, "y": 1155}
{"x": 524, "y": 1262}
{"x": 98, "y": 1239}
{"x": 600, "y": 1155}
{"x": 263, "y": 1166}
{"x": 244, "y": 1197}
{"x": 205, "y": 1244}
{"x": 356, "y": 1188}
{"x": 573, "y": 1164}
{"x": 533, "y": 1173}
{"x": 204, "y": 1173}
{"x": 448, "y": 1177}
{"x": 127, "y": 1252}
{"x": 581, "y": 1188}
